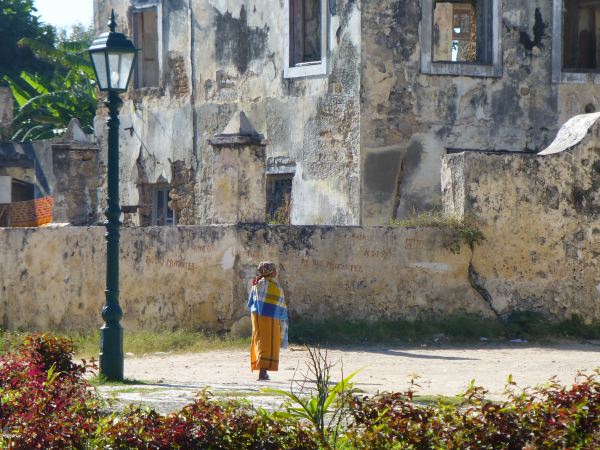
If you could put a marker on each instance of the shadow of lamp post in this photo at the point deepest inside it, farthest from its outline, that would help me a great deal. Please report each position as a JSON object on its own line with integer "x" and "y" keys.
{"x": 113, "y": 57}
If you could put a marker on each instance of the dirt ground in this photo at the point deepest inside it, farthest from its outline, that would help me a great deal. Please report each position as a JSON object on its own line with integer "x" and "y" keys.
{"x": 172, "y": 380}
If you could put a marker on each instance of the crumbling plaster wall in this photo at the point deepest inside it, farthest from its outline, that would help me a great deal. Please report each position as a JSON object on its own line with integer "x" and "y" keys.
{"x": 157, "y": 133}
{"x": 410, "y": 119}
{"x": 541, "y": 217}
{"x": 314, "y": 121}
{"x": 232, "y": 55}
{"x": 197, "y": 277}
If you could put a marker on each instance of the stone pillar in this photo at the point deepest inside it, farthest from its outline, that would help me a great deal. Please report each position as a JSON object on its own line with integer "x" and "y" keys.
{"x": 6, "y": 114}
{"x": 239, "y": 174}
{"x": 76, "y": 171}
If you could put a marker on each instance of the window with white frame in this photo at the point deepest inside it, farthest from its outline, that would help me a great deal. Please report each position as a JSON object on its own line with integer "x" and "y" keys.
{"x": 146, "y": 38}
{"x": 576, "y": 41}
{"x": 461, "y": 37}
{"x": 306, "y": 38}
{"x": 162, "y": 214}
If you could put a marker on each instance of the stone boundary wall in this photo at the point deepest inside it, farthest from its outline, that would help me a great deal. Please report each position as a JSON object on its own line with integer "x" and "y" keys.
{"x": 197, "y": 277}
{"x": 541, "y": 217}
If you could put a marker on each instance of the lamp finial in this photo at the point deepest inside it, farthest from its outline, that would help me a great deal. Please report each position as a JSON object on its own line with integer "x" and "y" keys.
{"x": 112, "y": 22}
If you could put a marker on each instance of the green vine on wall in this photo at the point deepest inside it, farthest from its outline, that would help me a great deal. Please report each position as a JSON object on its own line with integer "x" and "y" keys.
{"x": 462, "y": 229}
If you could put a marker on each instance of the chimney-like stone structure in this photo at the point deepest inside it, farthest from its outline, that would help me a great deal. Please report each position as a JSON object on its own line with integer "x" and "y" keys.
{"x": 239, "y": 173}
{"x": 76, "y": 170}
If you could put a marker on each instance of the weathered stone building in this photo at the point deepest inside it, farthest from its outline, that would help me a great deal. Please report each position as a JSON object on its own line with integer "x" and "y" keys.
{"x": 358, "y": 100}
{"x": 540, "y": 215}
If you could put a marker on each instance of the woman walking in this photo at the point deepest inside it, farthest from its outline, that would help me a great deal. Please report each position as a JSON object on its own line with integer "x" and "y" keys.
{"x": 269, "y": 318}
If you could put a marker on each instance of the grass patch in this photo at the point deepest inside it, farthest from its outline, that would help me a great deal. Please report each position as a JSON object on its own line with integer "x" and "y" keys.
{"x": 459, "y": 329}
{"x": 100, "y": 380}
{"x": 521, "y": 325}
{"x": 144, "y": 342}
{"x": 87, "y": 345}
{"x": 9, "y": 340}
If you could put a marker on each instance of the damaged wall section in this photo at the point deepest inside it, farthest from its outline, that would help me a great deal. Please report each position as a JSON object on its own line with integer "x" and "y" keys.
{"x": 541, "y": 217}
{"x": 417, "y": 117}
{"x": 222, "y": 57}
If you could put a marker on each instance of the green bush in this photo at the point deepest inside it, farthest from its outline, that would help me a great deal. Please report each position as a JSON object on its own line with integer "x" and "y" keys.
{"x": 45, "y": 402}
{"x": 546, "y": 417}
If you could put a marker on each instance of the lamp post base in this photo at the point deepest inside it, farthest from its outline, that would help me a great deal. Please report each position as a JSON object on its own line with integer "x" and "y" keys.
{"x": 111, "y": 352}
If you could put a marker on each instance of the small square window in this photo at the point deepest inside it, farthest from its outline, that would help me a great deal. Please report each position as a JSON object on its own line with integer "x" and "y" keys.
{"x": 279, "y": 198}
{"x": 461, "y": 37}
{"x": 576, "y": 41}
{"x": 162, "y": 214}
{"x": 146, "y": 38}
{"x": 461, "y": 32}
{"x": 306, "y": 38}
{"x": 581, "y": 51}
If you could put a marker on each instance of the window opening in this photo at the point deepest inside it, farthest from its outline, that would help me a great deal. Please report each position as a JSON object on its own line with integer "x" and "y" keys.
{"x": 462, "y": 31}
{"x": 461, "y": 37}
{"x": 22, "y": 191}
{"x": 146, "y": 39}
{"x": 305, "y": 46}
{"x": 305, "y": 32}
{"x": 581, "y": 35}
{"x": 162, "y": 214}
{"x": 279, "y": 198}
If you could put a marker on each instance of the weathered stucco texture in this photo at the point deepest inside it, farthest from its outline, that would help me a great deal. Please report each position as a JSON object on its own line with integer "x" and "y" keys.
{"x": 541, "y": 217}
{"x": 410, "y": 119}
{"x": 223, "y": 56}
{"x": 367, "y": 137}
{"x": 196, "y": 277}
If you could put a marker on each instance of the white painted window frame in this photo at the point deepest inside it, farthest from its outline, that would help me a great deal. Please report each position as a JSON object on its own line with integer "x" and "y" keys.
{"x": 312, "y": 69}
{"x": 558, "y": 75}
{"x": 428, "y": 66}
{"x": 139, "y": 6}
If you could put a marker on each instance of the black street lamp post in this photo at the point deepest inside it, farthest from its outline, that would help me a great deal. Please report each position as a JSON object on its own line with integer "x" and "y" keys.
{"x": 113, "y": 56}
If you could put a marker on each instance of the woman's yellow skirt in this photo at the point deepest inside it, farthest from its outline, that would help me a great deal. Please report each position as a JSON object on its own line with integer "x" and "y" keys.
{"x": 266, "y": 340}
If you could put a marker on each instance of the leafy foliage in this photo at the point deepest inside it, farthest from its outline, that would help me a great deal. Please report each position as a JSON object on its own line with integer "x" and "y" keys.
{"x": 51, "y": 82}
{"x": 545, "y": 417}
{"x": 202, "y": 424}
{"x": 44, "y": 400}
{"x": 325, "y": 406}
{"x": 47, "y": 104}
{"x": 17, "y": 21}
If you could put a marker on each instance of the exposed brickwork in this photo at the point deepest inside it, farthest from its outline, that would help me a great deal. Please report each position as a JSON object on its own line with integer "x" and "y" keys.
{"x": 182, "y": 193}
{"x": 178, "y": 76}
{"x": 32, "y": 213}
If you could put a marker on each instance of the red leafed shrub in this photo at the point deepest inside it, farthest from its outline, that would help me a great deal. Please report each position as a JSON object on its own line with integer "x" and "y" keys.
{"x": 45, "y": 351}
{"x": 547, "y": 417}
{"x": 44, "y": 400}
{"x": 203, "y": 424}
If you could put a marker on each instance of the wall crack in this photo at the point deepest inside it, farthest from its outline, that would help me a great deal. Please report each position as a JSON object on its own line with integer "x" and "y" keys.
{"x": 479, "y": 285}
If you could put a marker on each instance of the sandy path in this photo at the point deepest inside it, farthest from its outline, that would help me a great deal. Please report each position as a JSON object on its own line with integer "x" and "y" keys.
{"x": 441, "y": 370}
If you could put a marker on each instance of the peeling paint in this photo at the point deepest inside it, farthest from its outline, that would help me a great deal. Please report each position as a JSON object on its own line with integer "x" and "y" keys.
{"x": 436, "y": 267}
{"x": 228, "y": 259}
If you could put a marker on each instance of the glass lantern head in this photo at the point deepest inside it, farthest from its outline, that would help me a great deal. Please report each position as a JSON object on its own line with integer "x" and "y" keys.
{"x": 113, "y": 57}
